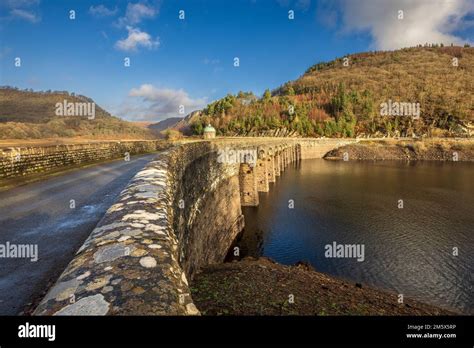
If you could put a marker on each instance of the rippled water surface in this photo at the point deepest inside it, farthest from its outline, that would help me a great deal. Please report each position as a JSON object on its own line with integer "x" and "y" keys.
{"x": 409, "y": 250}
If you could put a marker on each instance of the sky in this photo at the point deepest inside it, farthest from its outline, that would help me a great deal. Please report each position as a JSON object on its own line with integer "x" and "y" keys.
{"x": 181, "y": 64}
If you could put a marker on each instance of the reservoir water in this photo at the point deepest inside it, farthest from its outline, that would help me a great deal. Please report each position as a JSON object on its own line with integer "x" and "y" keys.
{"x": 415, "y": 221}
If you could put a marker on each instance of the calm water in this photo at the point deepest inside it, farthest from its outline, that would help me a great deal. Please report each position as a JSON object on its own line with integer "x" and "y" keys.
{"x": 409, "y": 250}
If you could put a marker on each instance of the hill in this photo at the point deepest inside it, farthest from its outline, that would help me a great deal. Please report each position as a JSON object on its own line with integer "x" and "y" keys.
{"x": 25, "y": 114}
{"x": 165, "y": 124}
{"x": 186, "y": 124}
{"x": 183, "y": 125}
{"x": 142, "y": 124}
{"x": 347, "y": 97}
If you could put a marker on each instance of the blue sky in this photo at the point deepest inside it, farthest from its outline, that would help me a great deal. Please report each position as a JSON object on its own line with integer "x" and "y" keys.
{"x": 190, "y": 62}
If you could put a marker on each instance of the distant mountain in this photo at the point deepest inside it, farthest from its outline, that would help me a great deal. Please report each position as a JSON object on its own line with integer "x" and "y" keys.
{"x": 181, "y": 124}
{"x": 25, "y": 114}
{"x": 364, "y": 94}
{"x": 184, "y": 125}
{"x": 165, "y": 124}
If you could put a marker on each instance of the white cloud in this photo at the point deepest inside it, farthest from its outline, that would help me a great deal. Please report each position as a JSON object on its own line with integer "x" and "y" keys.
{"x": 424, "y": 21}
{"x": 21, "y": 3}
{"x": 102, "y": 11}
{"x": 135, "y": 39}
{"x": 24, "y": 14}
{"x": 135, "y": 13}
{"x": 149, "y": 103}
{"x": 21, "y": 9}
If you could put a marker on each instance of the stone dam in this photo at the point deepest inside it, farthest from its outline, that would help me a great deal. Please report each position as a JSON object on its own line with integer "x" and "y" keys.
{"x": 181, "y": 212}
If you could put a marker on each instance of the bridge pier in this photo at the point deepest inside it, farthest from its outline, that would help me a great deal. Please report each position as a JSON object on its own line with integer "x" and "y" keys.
{"x": 270, "y": 163}
{"x": 282, "y": 160}
{"x": 277, "y": 163}
{"x": 271, "y": 167}
{"x": 248, "y": 185}
{"x": 262, "y": 176}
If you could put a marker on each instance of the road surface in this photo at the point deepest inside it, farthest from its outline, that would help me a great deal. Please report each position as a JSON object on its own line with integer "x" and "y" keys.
{"x": 40, "y": 214}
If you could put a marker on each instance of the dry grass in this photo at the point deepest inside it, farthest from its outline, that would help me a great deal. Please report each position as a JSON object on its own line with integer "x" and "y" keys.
{"x": 262, "y": 287}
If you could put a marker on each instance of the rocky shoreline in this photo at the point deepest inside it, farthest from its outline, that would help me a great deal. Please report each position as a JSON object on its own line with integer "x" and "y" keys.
{"x": 263, "y": 287}
{"x": 410, "y": 150}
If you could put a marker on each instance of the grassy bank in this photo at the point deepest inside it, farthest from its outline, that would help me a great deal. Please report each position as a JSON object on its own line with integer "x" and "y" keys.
{"x": 263, "y": 287}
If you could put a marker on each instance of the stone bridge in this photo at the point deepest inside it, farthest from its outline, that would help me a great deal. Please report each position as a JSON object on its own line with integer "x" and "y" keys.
{"x": 181, "y": 212}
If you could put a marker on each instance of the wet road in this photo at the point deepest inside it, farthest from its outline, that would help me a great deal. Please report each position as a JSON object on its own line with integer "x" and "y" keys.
{"x": 40, "y": 214}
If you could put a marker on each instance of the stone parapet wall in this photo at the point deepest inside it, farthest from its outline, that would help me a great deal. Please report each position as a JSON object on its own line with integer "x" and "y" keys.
{"x": 25, "y": 161}
{"x": 129, "y": 264}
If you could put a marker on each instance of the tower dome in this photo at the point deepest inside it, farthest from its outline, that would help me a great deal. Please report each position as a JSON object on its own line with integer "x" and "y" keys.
{"x": 209, "y": 132}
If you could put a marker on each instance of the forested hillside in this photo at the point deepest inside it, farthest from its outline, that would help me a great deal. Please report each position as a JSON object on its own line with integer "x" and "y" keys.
{"x": 343, "y": 98}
